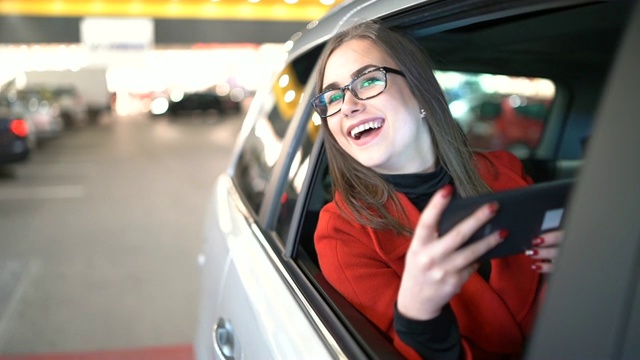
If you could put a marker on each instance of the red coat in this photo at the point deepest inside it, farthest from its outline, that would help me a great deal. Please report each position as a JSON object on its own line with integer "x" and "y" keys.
{"x": 365, "y": 266}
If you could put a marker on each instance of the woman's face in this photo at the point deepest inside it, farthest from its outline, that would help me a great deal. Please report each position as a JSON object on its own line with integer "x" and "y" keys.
{"x": 399, "y": 140}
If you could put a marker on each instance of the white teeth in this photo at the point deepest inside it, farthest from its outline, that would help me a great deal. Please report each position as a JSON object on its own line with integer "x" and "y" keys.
{"x": 366, "y": 126}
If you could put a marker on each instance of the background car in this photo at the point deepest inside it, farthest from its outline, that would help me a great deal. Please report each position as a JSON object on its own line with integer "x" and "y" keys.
{"x": 16, "y": 139}
{"x": 202, "y": 101}
{"x": 263, "y": 294}
{"x": 40, "y": 108}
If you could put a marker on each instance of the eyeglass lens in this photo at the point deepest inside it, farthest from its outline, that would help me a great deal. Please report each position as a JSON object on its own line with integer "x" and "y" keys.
{"x": 363, "y": 87}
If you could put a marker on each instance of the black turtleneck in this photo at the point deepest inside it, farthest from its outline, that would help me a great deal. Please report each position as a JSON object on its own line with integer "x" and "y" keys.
{"x": 438, "y": 338}
{"x": 419, "y": 188}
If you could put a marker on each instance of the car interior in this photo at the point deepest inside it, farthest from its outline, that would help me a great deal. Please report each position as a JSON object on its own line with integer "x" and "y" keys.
{"x": 574, "y": 46}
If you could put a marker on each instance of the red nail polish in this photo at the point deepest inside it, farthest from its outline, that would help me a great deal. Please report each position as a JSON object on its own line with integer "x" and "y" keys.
{"x": 503, "y": 233}
{"x": 447, "y": 190}
{"x": 538, "y": 241}
{"x": 493, "y": 207}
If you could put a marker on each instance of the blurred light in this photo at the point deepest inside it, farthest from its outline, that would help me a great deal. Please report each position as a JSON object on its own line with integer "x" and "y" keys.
{"x": 33, "y": 104}
{"x": 291, "y": 1}
{"x": 515, "y": 101}
{"x": 159, "y": 106}
{"x": 458, "y": 108}
{"x": 289, "y": 96}
{"x": 19, "y": 127}
{"x": 450, "y": 79}
{"x": 283, "y": 81}
{"x": 237, "y": 94}
{"x": 254, "y": 1}
{"x": 272, "y": 146}
{"x": 327, "y": 2}
{"x": 296, "y": 36}
{"x": 301, "y": 174}
{"x": 21, "y": 81}
{"x": 288, "y": 45}
{"x": 223, "y": 89}
{"x": 316, "y": 119}
{"x": 176, "y": 95}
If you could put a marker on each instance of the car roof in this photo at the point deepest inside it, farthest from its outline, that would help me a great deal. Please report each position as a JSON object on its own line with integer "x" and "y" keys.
{"x": 345, "y": 14}
{"x": 603, "y": 23}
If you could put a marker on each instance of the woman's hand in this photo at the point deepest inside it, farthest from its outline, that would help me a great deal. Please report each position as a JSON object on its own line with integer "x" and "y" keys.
{"x": 545, "y": 250}
{"x": 436, "y": 267}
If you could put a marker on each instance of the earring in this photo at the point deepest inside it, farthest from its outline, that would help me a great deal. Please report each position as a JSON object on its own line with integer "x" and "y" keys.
{"x": 422, "y": 113}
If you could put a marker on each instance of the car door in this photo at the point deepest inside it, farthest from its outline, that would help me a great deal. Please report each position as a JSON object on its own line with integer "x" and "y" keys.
{"x": 250, "y": 307}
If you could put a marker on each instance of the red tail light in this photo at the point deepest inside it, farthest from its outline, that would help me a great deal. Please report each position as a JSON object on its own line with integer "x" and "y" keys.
{"x": 19, "y": 127}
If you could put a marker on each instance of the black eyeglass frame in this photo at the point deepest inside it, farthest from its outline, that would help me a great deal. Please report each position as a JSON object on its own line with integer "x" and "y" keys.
{"x": 385, "y": 70}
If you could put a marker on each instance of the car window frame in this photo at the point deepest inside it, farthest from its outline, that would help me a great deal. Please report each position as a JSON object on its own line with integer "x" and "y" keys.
{"x": 356, "y": 334}
{"x": 265, "y": 222}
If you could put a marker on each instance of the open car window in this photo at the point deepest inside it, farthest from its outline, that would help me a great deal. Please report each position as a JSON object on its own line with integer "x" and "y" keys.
{"x": 499, "y": 111}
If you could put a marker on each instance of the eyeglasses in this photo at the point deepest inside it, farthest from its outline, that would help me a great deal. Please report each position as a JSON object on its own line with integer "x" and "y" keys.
{"x": 366, "y": 85}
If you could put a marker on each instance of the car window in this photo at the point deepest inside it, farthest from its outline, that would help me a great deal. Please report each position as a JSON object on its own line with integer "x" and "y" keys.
{"x": 264, "y": 142}
{"x": 499, "y": 112}
{"x": 263, "y": 145}
{"x": 295, "y": 179}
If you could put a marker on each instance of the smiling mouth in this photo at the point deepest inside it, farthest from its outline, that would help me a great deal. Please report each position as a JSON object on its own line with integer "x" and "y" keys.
{"x": 366, "y": 128}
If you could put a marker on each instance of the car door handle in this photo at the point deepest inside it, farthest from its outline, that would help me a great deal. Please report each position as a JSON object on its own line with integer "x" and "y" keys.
{"x": 223, "y": 339}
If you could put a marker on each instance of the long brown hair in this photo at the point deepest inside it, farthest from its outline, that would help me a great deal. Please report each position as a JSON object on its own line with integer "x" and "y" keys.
{"x": 364, "y": 191}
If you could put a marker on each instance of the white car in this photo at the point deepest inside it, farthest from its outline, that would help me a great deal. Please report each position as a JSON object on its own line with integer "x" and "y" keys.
{"x": 263, "y": 295}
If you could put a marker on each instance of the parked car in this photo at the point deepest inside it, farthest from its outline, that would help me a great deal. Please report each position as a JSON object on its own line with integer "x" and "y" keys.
{"x": 203, "y": 101}
{"x": 16, "y": 137}
{"x": 263, "y": 295}
{"x": 42, "y": 110}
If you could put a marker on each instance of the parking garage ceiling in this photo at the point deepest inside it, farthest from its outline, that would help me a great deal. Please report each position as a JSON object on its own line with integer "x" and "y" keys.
{"x": 266, "y": 10}
{"x": 176, "y": 21}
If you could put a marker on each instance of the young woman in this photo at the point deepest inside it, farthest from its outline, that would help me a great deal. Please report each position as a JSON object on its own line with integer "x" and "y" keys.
{"x": 397, "y": 157}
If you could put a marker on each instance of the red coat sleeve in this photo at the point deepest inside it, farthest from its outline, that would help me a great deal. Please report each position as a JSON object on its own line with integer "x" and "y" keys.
{"x": 353, "y": 266}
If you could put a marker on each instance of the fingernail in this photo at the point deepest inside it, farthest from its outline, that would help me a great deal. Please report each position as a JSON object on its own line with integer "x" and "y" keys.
{"x": 493, "y": 207}
{"x": 531, "y": 252}
{"x": 538, "y": 241}
{"x": 447, "y": 190}
{"x": 536, "y": 267}
{"x": 503, "y": 233}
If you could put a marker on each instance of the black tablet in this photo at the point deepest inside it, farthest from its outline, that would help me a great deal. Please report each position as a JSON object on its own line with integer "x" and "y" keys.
{"x": 525, "y": 212}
